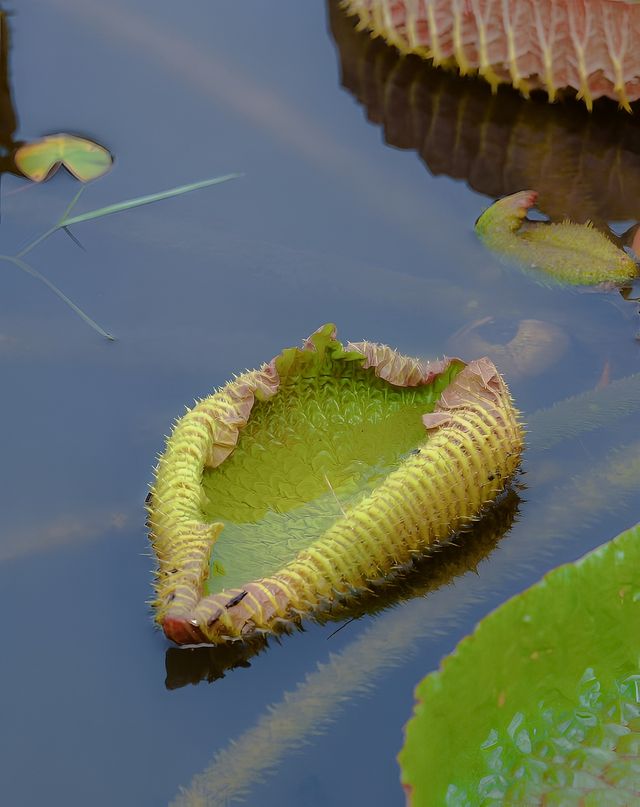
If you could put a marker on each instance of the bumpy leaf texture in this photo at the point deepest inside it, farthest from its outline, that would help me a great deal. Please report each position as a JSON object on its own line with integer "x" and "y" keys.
{"x": 566, "y": 252}
{"x": 298, "y": 485}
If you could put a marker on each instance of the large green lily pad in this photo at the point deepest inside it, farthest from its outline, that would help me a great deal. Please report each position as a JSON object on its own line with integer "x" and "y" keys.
{"x": 541, "y": 705}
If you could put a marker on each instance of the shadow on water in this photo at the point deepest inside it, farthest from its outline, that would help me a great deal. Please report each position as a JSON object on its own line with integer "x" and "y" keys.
{"x": 423, "y": 576}
{"x": 8, "y": 117}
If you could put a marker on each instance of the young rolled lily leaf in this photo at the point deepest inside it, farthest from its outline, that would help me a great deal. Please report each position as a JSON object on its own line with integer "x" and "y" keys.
{"x": 83, "y": 158}
{"x": 300, "y": 484}
{"x": 541, "y": 705}
{"x": 566, "y": 252}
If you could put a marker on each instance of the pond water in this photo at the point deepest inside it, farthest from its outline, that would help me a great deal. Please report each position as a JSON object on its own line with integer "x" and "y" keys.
{"x": 363, "y": 176}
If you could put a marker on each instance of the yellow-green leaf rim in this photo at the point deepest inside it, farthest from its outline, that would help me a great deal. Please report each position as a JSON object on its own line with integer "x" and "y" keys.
{"x": 83, "y": 158}
{"x": 328, "y": 468}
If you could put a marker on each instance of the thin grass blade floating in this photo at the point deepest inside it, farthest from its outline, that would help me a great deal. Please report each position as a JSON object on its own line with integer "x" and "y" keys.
{"x": 139, "y": 201}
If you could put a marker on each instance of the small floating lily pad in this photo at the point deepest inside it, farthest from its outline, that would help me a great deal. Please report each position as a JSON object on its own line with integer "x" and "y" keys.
{"x": 541, "y": 705}
{"x": 302, "y": 483}
{"x": 566, "y": 252}
{"x": 83, "y": 158}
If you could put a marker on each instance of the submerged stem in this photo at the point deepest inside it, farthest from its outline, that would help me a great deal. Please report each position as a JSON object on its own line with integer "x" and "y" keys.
{"x": 36, "y": 241}
{"x": 15, "y": 259}
{"x": 65, "y": 221}
{"x": 70, "y": 206}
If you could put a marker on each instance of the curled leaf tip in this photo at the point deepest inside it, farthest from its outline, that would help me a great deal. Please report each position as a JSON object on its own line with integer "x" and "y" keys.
{"x": 566, "y": 252}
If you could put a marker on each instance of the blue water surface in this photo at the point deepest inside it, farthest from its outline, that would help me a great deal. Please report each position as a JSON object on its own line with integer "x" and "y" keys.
{"x": 328, "y": 223}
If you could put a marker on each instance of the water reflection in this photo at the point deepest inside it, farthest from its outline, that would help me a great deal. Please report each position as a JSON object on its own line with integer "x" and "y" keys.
{"x": 585, "y": 166}
{"x": 191, "y": 665}
{"x": 8, "y": 118}
{"x": 424, "y": 575}
{"x": 52, "y": 533}
{"x": 523, "y": 349}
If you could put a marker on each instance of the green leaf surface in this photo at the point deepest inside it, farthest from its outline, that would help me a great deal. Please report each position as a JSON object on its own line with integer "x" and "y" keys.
{"x": 541, "y": 705}
{"x": 570, "y": 253}
{"x": 307, "y": 455}
{"x": 83, "y": 158}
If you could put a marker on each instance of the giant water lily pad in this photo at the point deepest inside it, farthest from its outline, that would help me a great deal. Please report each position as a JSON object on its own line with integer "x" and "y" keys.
{"x": 541, "y": 705}
{"x": 303, "y": 482}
